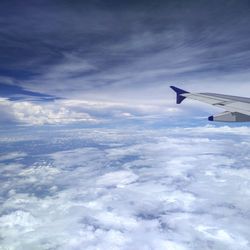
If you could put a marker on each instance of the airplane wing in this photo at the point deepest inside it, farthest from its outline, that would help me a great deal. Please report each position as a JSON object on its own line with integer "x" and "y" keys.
{"x": 237, "y": 108}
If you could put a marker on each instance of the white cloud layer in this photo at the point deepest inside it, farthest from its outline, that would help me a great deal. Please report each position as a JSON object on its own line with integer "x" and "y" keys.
{"x": 43, "y": 113}
{"x": 68, "y": 111}
{"x": 175, "y": 189}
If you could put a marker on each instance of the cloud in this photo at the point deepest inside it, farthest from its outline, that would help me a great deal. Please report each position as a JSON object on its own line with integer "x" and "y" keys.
{"x": 64, "y": 111}
{"x": 31, "y": 113}
{"x": 119, "y": 178}
{"x": 67, "y": 53}
{"x": 121, "y": 188}
{"x": 176, "y": 188}
{"x": 12, "y": 156}
{"x": 71, "y": 67}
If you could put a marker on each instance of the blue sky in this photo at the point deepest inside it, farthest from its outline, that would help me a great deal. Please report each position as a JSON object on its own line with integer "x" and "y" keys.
{"x": 104, "y": 60}
{"x": 95, "y": 153}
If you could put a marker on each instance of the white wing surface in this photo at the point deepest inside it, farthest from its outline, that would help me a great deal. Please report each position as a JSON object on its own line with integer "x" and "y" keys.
{"x": 237, "y": 108}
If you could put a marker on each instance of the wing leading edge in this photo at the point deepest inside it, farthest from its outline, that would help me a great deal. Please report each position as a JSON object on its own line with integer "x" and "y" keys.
{"x": 237, "y": 108}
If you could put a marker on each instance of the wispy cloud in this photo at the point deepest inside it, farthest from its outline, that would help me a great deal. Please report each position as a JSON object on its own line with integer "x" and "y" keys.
{"x": 129, "y": 53}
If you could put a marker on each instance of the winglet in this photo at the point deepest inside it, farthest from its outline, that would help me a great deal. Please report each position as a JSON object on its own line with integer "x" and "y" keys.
{"x": 179, "y": 92}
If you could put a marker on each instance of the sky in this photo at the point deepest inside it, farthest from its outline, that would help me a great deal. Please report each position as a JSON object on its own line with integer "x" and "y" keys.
{"x": 95, "y": 62}
{"x": 95, "y": 154}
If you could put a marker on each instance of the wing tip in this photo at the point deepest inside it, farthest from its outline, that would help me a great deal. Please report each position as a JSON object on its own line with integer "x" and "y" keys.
{"x": 179, "y": 92}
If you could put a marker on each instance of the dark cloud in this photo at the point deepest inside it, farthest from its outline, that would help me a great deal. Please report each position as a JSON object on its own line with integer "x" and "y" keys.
{"x": 14, "y": 92}
{"x": 37, "y": 34}
{"x": 122, "y": 51}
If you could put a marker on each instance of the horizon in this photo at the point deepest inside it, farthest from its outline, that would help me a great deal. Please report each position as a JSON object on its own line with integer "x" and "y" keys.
{"x": 95, "y": 154}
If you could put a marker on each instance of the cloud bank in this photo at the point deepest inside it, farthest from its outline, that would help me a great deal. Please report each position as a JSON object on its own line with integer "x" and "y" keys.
{"x": 180, "y": 189}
